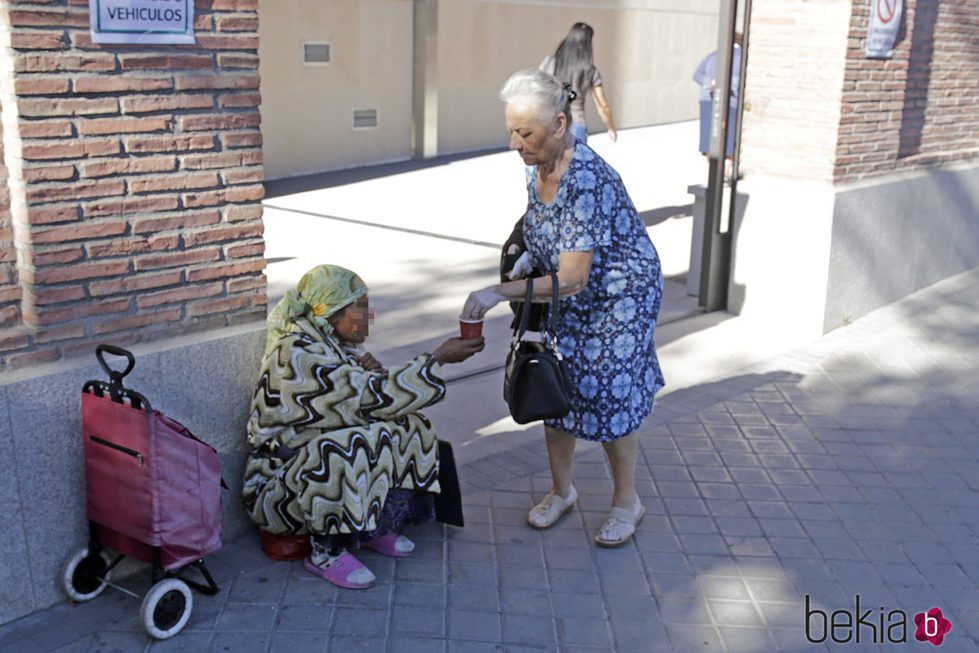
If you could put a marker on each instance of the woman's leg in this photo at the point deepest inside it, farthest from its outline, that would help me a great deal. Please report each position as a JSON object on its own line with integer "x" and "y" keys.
{"x": 560, "y": 456}
{"x": 623, "y": 453}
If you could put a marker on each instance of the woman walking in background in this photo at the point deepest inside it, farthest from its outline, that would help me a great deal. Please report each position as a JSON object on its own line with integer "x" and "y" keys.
{"x": 573, "y": 63}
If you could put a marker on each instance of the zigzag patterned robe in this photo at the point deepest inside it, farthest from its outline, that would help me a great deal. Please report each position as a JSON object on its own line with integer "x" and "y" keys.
{"x": 357, "y": 434}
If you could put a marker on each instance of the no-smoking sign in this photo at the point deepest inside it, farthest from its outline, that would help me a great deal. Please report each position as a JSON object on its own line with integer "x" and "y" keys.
{"x": 885, "y": 18}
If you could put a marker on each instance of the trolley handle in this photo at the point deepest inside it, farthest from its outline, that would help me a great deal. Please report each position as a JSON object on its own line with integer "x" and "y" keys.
{"x": 115, "y": 376}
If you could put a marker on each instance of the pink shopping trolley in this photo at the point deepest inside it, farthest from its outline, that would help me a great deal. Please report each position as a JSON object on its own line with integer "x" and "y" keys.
{"x": 153, "y": 492}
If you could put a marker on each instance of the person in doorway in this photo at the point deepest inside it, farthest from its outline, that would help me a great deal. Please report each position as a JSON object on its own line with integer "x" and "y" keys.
{"x": 573, "y": 64}
{"x": 339, "y": 449}
{"x": 581, "y": 224}
{"x": 706, "y": 77}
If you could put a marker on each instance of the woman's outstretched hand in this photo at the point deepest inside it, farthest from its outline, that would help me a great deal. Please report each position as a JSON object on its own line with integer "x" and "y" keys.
{"x": 456, "y": 350}
{"x": 480, "y": 302}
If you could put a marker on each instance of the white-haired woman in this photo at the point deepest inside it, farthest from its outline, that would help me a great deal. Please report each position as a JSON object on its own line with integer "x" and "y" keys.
{"x": 581, "y": 224}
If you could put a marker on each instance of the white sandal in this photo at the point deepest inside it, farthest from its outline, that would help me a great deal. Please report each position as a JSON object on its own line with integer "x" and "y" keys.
{"x": 620, "y": 525}
{"x": 551, "y": 508}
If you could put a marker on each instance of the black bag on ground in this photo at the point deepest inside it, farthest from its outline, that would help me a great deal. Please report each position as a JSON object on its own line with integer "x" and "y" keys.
{"x": 535, "y": 384}
{"x": 448, "y": 503}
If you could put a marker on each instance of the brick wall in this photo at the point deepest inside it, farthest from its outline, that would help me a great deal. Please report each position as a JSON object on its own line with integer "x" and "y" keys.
{"x": 9, "y": 286}
{"x": 137, "y": 208}
{"x": 793, "y": 87}
{"x": 919, "y": 108}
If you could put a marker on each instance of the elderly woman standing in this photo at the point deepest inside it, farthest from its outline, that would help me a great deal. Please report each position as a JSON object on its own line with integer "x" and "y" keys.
{"x": 581, "y": 224}
{"x": 339, "y": 449}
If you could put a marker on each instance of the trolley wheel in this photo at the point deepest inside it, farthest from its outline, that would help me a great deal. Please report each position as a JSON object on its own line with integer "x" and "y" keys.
{"x": 84, "y": 575}
{"x": 166, "y": 608}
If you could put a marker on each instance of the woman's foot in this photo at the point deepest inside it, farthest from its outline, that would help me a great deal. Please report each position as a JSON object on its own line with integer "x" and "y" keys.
{"x": 392, "y": 544}
{"x": 547, "y": 513}
{"x": 620, "y": 525}
{"x": 343, "y": 570}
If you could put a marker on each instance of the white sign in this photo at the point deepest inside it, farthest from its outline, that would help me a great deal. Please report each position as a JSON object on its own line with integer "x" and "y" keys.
{"x": 885, "y": 19}
{"x": 142, "y": 21}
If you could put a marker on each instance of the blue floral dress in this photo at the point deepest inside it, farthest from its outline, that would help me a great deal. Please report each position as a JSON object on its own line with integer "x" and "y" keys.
{"x": 606, "y": 330}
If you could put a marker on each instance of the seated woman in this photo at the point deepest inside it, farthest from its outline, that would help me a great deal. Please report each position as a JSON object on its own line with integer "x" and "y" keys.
{"x": 339, "y": 449}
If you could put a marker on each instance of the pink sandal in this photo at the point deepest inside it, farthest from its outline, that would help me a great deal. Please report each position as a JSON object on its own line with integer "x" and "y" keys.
{"x": 343, "y": 570}
{"x": 392, "y": 544}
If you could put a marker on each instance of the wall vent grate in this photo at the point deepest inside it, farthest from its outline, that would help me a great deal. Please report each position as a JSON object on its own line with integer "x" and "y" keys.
{"x": 316, "y": 53}
{"x": 365, "y": 118}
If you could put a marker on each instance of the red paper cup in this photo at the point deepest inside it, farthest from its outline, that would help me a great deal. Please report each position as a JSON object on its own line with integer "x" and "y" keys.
{"x": 470, "y": 329}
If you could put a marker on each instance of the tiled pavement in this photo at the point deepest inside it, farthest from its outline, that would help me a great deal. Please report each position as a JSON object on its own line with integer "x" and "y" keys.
{"x": 849, "y": 467}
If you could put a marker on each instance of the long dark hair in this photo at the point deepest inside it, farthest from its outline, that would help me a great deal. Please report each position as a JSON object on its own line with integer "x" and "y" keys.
{"x": 573, "y": 61}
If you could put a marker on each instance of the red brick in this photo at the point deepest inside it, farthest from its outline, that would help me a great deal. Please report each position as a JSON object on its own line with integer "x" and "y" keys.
{"x": 147, "y": 104}
{"x": 13, "y": 339}
{"x": 137, "y": 321}
{"x": 224, "y": 233}
{"x": 208, "y": 161}
{"x": 41, "y": 86}
{"x": 49, "y": 150}
{"x": 131, "y": 283}
{"x": 129, "y": 205}
{"x": 239, "y": 100}
{"x": 241, "y": 284}
{"x": 68, "y": 233}
{"x": 47, "y": 18}
{"x": 236, "y": 213}
{"x": 52, "y": 214}
{"x": 237, "y": 61}
{"x": 184, "y": 220}
{"x": 78, "y": 310}
{"x": 176, "y": 259}
{"x": 30, "y": 358}
{"x": 58, "y": 295}
{"x": 57, "y": 256}
{"x": 209, "y": 82}
{"x": 138, "y": 145}
{"x": 76, "y": 190}
{"x": 249, "y": 175}
{"x": 234, "y": 5}
{"x": 173, "y": 182}
{"x": 37, "y": 40}
{"x": 98, "y": 126}
{"x": 48, "y": 173}
{"x": 181, "y": 294}
{"x": 225, "y": 270}
{"x": 228, "y": 41}
{"x": 237, "y": 23}
{"x": 50, "y": 63}
{"x": 241, "y": 139}
{"x": 120, "y": 84}
{"x": 219, "y": 121}
{"x": 213, "y": 198}
{"x": 211, "y": 307}
{"x": 245, "y": 250}
{"x": 130, "y": 246}
{"x": 68, "y": 107}
{"x": 165, "y": 61}
{"x": 129, "y": 165}
{"x": 59, "y": 333}
{"x": 80, "y": 271}
{"x": 10, "y": 294}
{"x": 46, "y": 128}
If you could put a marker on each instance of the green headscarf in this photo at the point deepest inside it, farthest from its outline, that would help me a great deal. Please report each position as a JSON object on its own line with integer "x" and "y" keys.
{"x": 321, "y": 292}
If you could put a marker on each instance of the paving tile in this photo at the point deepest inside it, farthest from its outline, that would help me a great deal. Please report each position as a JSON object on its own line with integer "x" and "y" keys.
{"x": 416, "y": 645}
{"x": 468, "y": 596}
{"x": 224, "y": 642}
{"x": 584, "y": 631}
{"x": 417, "y": 621}
{"x": 359, "y": 622}
{"x": 299, "y": 642}
{"x": 304, "y": 618}
{"x": 358, "y": 644}
{"x": 474, "y": 625}
{"x": 250, "y": 617}
{"x": 528, "y": 629}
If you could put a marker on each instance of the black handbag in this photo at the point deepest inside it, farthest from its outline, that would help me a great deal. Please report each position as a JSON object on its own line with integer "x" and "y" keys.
{"x": 536, "y": 385}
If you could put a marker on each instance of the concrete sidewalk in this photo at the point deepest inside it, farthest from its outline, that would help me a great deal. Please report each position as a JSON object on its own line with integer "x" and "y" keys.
{"x": 847, "y": 467}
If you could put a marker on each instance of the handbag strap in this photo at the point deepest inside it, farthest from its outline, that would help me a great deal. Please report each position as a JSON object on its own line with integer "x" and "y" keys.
{"x": 553, "y": 315}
